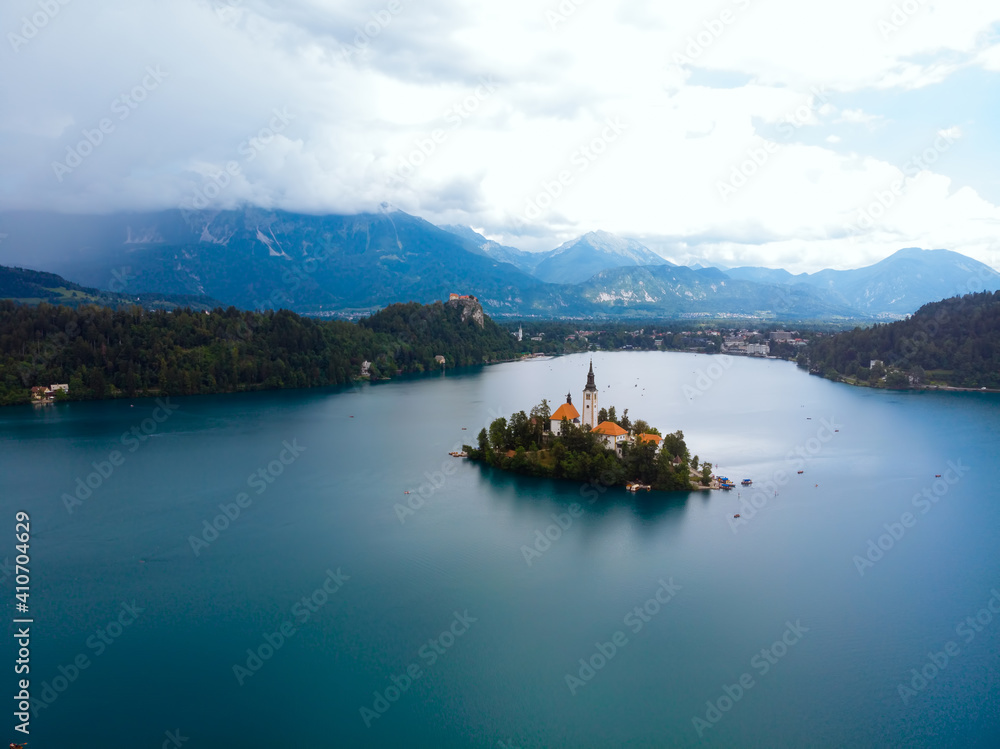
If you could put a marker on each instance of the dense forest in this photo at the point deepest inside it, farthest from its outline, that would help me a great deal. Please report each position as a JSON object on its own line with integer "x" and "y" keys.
{"x": 955, "y": 342}
{"x": 103, "y": 353}
{"x": 523, "y": 444}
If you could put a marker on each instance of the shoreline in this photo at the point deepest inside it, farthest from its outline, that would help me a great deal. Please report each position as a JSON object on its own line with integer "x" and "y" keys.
{"x": 920, "y": 389}
{"x": 524, "y": 358}
{"x": 488, "y": 466}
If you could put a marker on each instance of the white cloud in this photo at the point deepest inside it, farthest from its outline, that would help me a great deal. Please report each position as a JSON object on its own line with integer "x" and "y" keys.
{"x": 388, "y": 103}
{"x": 857, "y": 117}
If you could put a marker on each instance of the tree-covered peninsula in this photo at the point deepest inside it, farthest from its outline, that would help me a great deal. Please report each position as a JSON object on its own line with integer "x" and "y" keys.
{"x": 951, "y": 343}
{"x": 101, "y": 352}
{"x": 616, "y": 452}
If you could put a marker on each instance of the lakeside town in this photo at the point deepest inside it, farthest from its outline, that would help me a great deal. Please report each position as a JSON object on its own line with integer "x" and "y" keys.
{"x": 551, "y": 337}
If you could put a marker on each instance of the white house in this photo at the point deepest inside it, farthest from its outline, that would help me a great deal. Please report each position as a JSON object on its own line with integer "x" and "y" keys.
{"x": 612, "y": 434}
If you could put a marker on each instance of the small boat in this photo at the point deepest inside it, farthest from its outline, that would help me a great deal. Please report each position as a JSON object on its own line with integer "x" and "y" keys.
{"x": 462, "y": 454}
{"x": 937, "y": 475}
{"x": 746, "y": 482}
{"x": 736, "y": 515}
{"x": 801, "y": 471}
{"x": 464, "y": 428}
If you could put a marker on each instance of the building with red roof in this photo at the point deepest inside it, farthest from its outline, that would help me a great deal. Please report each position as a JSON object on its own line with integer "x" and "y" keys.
{"x": 612, "y": 434}
{"x": 566, "y": 411}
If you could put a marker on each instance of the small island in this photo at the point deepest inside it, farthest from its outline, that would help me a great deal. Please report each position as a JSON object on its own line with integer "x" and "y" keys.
{"x": 596, "y": 447}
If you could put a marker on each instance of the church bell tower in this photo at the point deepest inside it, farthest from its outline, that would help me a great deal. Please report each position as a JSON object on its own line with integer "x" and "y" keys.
{"x": 590, "y": 409}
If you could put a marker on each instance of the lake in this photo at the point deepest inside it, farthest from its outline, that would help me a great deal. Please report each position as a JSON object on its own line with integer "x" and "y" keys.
{"x": 248, "y": 571}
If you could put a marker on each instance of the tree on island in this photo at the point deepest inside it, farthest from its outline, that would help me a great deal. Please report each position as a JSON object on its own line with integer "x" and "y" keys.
{"x": 642, "y": 427}
{"x": 674, "y": 445}
{"x": 542, "y": 411}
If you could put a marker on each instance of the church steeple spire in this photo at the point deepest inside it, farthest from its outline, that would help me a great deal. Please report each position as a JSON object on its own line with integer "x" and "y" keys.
{"x": 590, "y": 378}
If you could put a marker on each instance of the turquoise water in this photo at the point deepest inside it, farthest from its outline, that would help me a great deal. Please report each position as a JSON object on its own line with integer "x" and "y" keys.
{"x": 436, "y": 599}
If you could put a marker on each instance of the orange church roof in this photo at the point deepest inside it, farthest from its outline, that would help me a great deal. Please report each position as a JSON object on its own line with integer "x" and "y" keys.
{"x": 566, "y": 411}
{"x": 609, "y": 428}
{"x": 646, "y": 437}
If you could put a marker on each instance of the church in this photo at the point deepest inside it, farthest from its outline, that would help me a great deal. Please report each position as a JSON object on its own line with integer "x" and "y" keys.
{"x": 568, "y": 411}
{"x": 612, "y": 434}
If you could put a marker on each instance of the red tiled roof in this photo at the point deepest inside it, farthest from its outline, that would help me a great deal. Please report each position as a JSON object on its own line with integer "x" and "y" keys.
{"x": 567, "y": 411}
{"x": 609, "y": 428}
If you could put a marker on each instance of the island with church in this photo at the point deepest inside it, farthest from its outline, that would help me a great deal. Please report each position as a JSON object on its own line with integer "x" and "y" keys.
{"x": 597, "y": 446}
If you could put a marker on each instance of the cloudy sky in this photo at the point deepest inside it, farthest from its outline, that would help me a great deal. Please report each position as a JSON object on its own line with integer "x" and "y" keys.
{"x": 765, "y": 132}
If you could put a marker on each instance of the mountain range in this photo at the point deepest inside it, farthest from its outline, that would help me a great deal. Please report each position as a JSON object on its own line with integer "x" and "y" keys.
{"x": 255, "y": 258}
{"x": 898, "y": 285}
{"x": 572, "y": 262}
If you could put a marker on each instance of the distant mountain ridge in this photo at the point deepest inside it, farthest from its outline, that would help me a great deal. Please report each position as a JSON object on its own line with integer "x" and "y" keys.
{"x": 255, "y": 258}
{"x": 526, "y": 261}
{"x": 582, "y": 258}
{"x": 34, "y": 287}
{"x": 897, "y": 285}
{"x": 572, "y": 262}
{"x": 680, "y": 290}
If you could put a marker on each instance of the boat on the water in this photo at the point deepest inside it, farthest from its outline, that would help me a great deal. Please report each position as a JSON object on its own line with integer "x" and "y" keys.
{"x": 746, "y": 482}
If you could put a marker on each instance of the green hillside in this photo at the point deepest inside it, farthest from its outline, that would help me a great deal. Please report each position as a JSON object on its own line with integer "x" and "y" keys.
{"x": 106, "y": 353}
{"x": 35, "y": 287}
{"x": 953, "y": 343}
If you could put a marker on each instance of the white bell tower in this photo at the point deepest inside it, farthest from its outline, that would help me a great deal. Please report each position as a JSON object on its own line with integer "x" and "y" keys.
{"x": 590, "y": 408}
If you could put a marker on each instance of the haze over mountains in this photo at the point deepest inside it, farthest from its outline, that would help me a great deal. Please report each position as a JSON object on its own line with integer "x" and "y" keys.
{"x": 331, "y": 264}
